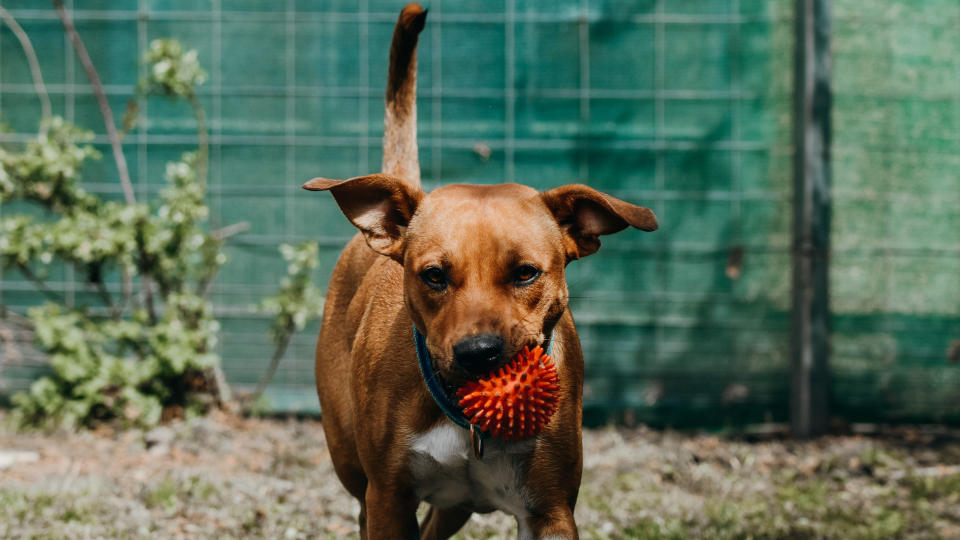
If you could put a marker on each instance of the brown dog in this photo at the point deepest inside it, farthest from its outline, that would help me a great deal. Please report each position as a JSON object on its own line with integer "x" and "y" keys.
{"x": 479, "y": 270}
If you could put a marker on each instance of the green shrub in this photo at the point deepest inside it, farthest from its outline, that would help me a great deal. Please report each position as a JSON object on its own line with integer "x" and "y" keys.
{"x": 151, "y": 352}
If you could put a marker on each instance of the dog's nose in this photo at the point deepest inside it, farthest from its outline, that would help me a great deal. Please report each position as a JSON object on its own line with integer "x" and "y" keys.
{"x": 478, "y": 354}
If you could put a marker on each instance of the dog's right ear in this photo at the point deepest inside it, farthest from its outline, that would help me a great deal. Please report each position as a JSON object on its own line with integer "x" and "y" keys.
{"x": 584, "y": 214}
{"x": 380, "y": 205}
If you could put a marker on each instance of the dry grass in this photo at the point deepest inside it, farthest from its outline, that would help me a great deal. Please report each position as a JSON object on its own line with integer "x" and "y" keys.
{"x": 231, "y": 478}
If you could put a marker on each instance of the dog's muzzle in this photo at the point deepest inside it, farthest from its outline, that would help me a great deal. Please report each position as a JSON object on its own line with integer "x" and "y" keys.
{"x": 479, "y": 354}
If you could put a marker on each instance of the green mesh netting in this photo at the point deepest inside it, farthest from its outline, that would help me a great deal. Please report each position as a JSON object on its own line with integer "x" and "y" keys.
{"x": 683, "y": 106}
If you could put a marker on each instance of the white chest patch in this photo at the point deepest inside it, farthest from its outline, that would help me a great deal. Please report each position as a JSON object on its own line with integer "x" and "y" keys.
{"x": 446, "y": 473}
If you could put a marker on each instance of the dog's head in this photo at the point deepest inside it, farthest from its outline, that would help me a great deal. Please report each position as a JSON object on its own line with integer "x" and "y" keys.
{"x": 483, "y": 265}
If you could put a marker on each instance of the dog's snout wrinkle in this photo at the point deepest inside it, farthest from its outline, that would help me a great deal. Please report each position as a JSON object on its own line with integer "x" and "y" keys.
{"x": 479, "y": 353}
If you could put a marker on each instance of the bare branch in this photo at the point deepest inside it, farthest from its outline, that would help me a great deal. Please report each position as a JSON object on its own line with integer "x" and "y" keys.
{"x": 230, "y": 230}
{"x": 40, "y": 283}
{"x": 224, "y": 393}
{"x": 203, "y": 286}
{"x": 107, "y": 299}
{"x": 15, "y": 318}
{"x": 31, "y": 55}
{"x": 221, "y": 234}
{"x": 97, "y": 86}
{"x": 274, "y": 363}
{"x": 127, "y": 289}
{"x": 147, "y": 287}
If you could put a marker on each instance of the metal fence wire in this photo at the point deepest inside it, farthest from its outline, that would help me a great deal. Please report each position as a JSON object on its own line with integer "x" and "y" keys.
{"x": 682, "y": 106}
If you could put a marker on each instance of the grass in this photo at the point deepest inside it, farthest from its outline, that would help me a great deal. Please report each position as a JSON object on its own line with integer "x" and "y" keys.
{"x": 170, "y": 493}
{"x": 269, "y": 479}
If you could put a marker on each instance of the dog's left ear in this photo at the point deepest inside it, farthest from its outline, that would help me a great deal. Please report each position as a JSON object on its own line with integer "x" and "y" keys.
{"x": 380, "y": 205}
{"x": 585, "y": 213}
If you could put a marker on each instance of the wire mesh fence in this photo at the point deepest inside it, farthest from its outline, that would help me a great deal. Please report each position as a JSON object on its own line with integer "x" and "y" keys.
{"x": 680, "y": 106}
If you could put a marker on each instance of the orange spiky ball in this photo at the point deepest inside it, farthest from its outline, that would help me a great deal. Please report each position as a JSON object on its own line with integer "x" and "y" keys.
{"x": 518, "y": 400}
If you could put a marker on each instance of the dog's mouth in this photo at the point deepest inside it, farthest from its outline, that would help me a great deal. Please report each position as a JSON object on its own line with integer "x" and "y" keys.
{"x": 450, "y": 378}
{"x": 455, "y": 378}
{"x": 450, "y": 390}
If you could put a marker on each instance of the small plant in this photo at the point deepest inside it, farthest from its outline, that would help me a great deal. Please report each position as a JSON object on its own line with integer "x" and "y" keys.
{"x": 150, "y": 352}
{"x": 298, "y": 300}
{"x": 297, "y": 303}
{"x": 128, "y": 358}
{"x": 135, "y": 357}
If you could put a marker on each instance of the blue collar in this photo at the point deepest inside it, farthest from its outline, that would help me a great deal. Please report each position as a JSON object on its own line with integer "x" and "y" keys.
{"x": 433, "y": 385}
{"x": 436, "y": 389}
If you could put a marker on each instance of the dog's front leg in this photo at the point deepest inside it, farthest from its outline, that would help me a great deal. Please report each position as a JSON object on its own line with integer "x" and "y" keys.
{"x": 557, "y": 524}
{"x": 391, "y": 513}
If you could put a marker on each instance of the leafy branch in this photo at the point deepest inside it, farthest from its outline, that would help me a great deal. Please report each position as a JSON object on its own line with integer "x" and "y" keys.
{"x": 176, "y": 74}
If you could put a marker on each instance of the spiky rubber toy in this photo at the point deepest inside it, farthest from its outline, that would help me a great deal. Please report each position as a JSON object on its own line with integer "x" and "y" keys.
{"x": 516, "y": 401}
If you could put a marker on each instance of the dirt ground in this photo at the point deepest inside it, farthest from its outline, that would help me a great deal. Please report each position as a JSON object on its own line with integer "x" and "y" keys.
{"x": 225, "y": 477}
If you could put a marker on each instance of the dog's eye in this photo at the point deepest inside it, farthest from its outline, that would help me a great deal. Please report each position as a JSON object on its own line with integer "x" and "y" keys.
{"x": 434, "y": 277}
{"x": 525, "y": 275}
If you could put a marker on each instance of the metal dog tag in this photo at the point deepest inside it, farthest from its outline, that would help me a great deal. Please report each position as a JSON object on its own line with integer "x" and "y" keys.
{"x": 477, "y": 442}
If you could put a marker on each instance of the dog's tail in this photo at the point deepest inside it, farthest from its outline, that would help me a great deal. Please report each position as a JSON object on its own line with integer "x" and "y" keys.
{"x": 400, "y": 118}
